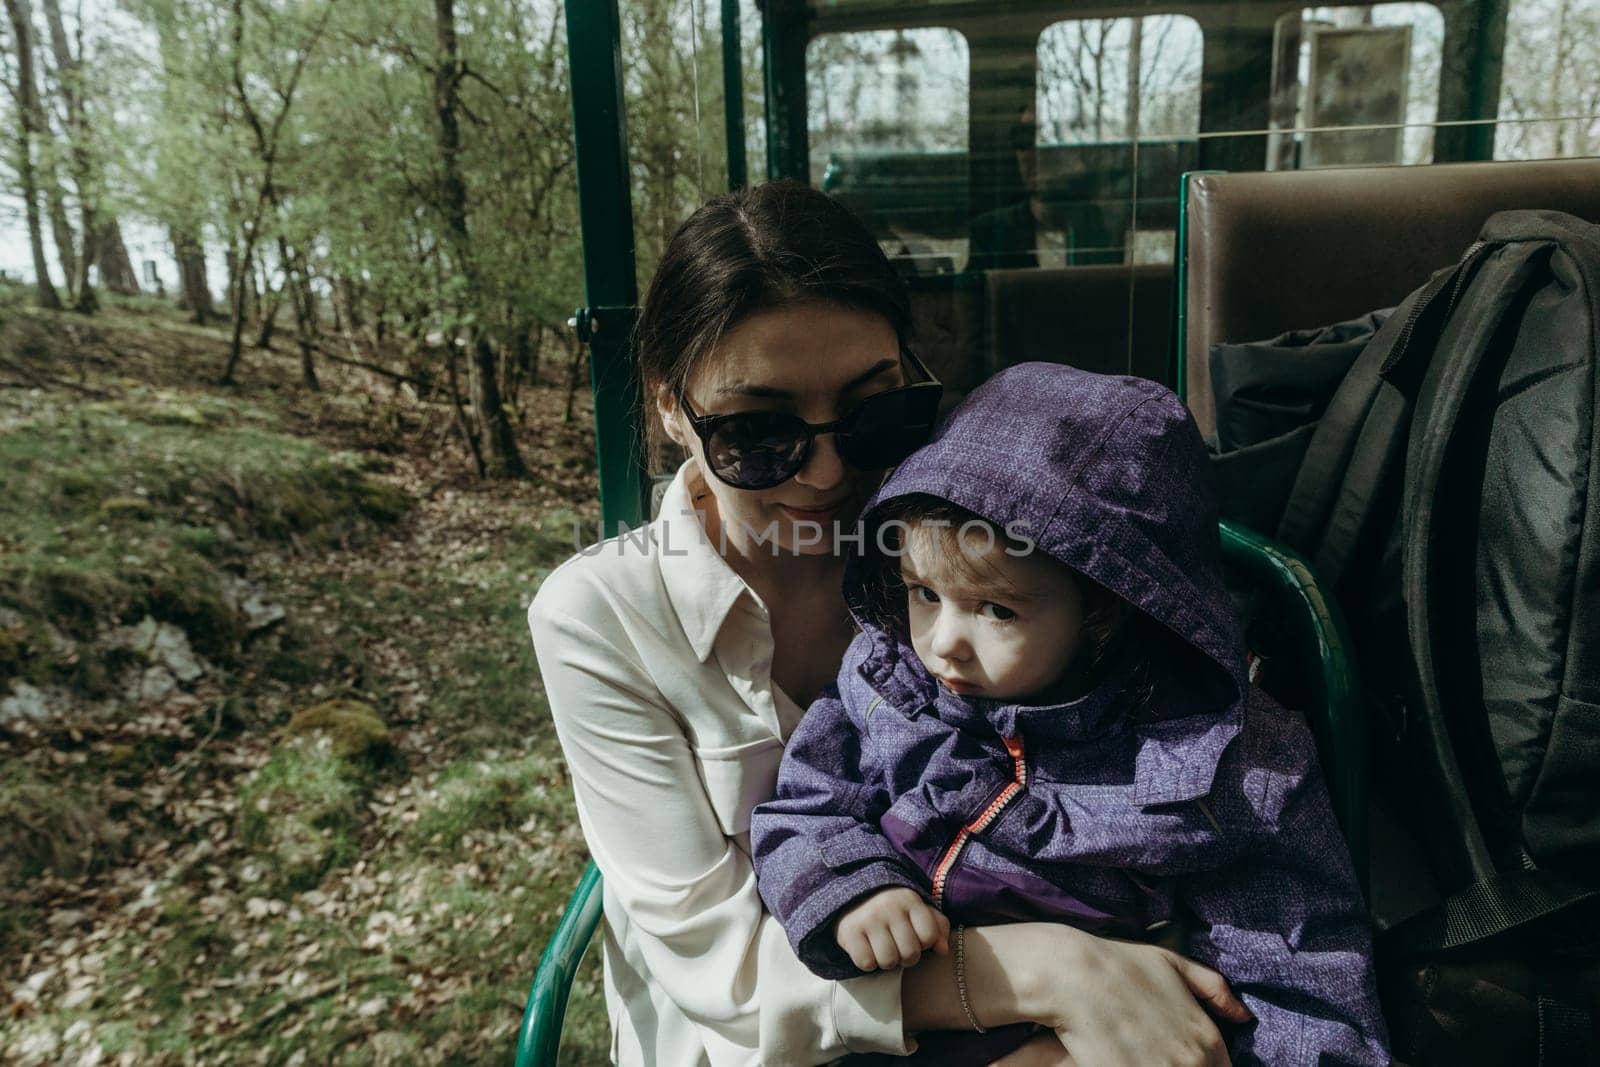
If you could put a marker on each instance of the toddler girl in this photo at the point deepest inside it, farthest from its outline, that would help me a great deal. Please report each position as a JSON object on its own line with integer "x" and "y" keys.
{"x": 1046, "y": 715}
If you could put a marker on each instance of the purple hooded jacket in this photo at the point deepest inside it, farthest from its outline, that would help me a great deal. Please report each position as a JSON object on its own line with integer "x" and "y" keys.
{"x": 1210, "y": 807}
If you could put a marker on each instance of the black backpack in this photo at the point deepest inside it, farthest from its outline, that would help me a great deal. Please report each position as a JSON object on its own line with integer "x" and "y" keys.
{"x": 1450, "y": 494}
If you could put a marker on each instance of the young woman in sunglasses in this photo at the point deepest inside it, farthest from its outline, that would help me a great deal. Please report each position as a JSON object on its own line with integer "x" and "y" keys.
{"x": 773, "y": 347}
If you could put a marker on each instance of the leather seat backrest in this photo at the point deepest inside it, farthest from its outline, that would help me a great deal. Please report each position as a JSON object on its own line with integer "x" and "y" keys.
{"x": 1269, "y": 252}
{"x": 1112, "y": 319}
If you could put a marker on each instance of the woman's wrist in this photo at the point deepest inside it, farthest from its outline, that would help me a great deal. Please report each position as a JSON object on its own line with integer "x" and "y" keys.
{"x": 1013, "y": 973}
{"x": 1039, "y": 965}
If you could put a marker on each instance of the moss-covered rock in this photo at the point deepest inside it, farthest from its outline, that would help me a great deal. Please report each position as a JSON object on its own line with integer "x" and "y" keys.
{"x": 353, "y": 729}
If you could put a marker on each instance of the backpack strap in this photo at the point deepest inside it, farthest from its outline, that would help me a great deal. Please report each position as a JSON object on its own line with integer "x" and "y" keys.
{"x": 1511, "y": 902}
{"x": 1359, "y": 441}
{"x": 1439, "y": 523}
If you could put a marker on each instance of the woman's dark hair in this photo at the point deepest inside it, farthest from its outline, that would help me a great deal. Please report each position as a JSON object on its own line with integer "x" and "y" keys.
{"x": 770, "y": 246}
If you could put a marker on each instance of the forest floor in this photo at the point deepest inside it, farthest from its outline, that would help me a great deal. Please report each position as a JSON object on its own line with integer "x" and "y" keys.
{"x": 277, "y": 778}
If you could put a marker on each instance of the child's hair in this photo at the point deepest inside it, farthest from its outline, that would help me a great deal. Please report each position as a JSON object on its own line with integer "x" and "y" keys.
{"x": 1117, "y": 637}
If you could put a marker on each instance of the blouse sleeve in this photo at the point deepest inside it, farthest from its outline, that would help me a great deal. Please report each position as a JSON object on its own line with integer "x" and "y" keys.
{"x": 688, "y": 890}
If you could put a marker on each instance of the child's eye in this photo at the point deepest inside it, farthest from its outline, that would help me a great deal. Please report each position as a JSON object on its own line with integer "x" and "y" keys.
{"x": 997, "y": 612}
{"x": 923, "y": 593}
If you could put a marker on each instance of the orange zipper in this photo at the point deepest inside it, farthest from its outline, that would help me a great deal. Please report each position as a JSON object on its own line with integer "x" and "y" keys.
{"x": 947, "y": 862}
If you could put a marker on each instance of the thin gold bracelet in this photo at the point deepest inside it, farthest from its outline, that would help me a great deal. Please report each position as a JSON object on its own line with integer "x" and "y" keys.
{"x": 961, "y": 977}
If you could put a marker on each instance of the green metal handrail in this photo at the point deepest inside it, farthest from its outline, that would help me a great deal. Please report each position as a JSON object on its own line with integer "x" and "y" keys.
{"x": 540, "y": 1038}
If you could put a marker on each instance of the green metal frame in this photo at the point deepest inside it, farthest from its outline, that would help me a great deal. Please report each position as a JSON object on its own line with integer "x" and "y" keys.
{"x": 733, "y": 94}
{"x": 539, "y": 1042}
{"x": 1336, "y": 715}
{"x": 1177, "y": 355}
{"x": 605, "y": 208}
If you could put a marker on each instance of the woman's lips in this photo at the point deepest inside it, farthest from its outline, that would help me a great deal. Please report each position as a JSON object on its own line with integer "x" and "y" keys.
{"x": 813, "y": 514}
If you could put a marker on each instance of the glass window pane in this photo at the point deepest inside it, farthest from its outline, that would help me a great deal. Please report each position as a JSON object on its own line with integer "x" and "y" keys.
{"x": 1119, "y": 80}
{"x": 887, "y": 128}
{"x": 1549, "y": 85}
{"x": 1118, "y": 110}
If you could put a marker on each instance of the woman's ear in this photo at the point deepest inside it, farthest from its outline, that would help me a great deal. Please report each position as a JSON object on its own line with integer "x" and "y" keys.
{"x": 667, "y": 409}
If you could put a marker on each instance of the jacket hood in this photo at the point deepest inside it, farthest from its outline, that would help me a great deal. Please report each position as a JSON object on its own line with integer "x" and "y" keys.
{"x": 1107, "y": 474}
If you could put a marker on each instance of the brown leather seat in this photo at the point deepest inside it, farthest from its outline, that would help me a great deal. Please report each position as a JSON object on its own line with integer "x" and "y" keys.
{"x": 1110, "y": 318}
{"x": 1270, "y": 252}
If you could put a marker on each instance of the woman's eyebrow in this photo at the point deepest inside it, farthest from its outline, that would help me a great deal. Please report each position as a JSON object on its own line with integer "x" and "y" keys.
{"x": 773, "y": 393}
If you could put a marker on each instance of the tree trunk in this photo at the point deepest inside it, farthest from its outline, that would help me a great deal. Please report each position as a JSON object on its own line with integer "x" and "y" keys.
{"x": 194, "y": 289}
{"x": 574, "y": 368}
{"x": 66, "y": 240}
{"x": 461, "y": 416}
{"x": 116, "y": 267}
{"x": 503, "y": 459}
{"x": 241, "y": 277}
{"x": 270, "y": 299}
{"x": 69, "y": 80}
{"x": 55, "y": 198}
{"x": 28, "y": 94}
{"x": 297, "y": 281}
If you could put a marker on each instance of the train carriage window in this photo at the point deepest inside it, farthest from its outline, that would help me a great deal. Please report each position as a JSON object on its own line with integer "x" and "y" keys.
{"x": 1549, "y": 85}
{"x": 1355, "y": 86}
{"x": 1115, "y": 119}
{"x": 887, "y": 127}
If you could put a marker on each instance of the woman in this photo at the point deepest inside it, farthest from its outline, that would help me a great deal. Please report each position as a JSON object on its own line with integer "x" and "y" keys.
{"x": 679, "y": 659}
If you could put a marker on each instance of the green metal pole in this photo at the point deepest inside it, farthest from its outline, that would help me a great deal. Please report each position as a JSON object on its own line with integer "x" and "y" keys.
{"x": 733, "y": 94}
{"x": 605, "y": 207}
{"x": 783, "y": 47}
{"x": 1488, "y": 62}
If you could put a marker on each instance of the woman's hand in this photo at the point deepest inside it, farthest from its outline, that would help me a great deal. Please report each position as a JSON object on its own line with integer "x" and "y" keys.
{"x": 1119, "y": 1002}
{"x": 1112, "y": 1003}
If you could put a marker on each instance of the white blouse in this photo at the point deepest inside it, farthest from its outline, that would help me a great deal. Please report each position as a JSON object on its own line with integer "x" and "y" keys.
{"x": 656, "y": 657}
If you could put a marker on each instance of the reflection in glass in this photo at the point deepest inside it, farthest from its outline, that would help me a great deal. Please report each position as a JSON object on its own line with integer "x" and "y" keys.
{"x": 1366, "y": 66}
{"x": 887, "y": 124}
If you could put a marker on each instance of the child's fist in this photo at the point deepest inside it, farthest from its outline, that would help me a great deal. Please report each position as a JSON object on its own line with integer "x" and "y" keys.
{"x": 892, "y": 928}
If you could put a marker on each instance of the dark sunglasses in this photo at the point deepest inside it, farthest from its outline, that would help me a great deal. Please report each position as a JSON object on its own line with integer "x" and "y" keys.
{"x": 761, "y": 449}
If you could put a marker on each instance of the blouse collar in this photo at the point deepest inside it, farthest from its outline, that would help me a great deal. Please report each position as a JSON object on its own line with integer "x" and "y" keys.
{"x": 701, "y": 585}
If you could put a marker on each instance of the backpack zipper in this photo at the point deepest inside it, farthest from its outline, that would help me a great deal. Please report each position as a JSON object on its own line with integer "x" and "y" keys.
{"x": 1459, "y": 277}
{"x": 947, "y": 862}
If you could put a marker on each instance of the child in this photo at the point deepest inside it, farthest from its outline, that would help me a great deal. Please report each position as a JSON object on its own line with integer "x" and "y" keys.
{"x": 1046, "y": 716}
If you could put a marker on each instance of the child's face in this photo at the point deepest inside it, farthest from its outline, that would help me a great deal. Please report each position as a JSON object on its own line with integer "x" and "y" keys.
{"x": 1003, "y": 627}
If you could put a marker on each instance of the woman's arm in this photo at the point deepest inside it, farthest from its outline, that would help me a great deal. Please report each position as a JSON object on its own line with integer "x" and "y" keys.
{"x": 688, "y": 891}
{"x": 1113, "y": 1003}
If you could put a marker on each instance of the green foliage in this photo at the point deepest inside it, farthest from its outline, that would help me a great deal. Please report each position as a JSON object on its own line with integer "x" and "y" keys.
{"x": 302, "y": 812}
{"x": 119, "y": 510}
{"x": 487, "y": 798}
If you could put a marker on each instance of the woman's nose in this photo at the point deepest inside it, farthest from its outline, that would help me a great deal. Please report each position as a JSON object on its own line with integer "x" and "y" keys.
{"x": 824, "y": 469}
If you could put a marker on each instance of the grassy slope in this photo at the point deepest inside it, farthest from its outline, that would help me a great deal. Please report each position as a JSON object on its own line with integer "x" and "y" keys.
{"x": 197, "y": 886}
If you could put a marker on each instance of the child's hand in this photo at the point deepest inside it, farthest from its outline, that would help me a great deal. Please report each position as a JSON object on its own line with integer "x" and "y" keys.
{"x": 892, "y": 928}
